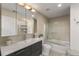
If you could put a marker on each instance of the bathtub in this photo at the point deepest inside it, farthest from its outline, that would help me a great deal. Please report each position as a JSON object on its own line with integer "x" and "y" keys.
{"x": 59, "y": 48}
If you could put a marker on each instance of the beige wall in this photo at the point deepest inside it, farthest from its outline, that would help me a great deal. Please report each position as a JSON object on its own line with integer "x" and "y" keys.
{"x": 58, "y": 28}
{"x": 41, "y": 23}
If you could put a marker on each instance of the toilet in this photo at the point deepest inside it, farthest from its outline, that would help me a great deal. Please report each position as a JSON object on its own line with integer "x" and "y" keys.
{"x": 46, "y": 49}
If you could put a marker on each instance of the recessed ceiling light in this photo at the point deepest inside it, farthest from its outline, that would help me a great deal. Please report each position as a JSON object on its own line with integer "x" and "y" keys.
{"x": 33, "y": 10}
{"x": 59, "y": 5}
{"x": 28, "y": 7}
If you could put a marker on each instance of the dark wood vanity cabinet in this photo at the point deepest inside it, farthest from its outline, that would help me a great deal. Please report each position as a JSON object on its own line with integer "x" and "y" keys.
{"x": 24, "y": 52}
{"x": 32, "y": 50}
{"x": 37, "y": 49}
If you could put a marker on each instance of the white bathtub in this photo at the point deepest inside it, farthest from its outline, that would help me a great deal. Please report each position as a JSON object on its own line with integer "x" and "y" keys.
{"x": 59, "y": 48}
{"x": 59, "y": 42}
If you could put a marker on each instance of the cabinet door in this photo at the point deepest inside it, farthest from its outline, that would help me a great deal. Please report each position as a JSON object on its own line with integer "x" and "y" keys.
{"x": 25, "y": 52}
{"x": 8, "y": 19}
{"x": 37, "y": 49}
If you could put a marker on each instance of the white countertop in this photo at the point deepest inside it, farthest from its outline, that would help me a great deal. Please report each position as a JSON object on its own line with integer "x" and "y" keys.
{"x": 5, "y": 50}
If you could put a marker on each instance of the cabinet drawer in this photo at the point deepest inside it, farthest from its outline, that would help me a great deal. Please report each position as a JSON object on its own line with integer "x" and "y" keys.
{"x": 37, "y": 53}
{"x": 25, "y": 52}
{"x": 37, "y": 45}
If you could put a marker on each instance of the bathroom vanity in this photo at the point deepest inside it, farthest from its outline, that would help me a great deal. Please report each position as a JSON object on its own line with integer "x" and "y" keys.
{"x": 31, "y": 47}
{"x": 32, "y": 50}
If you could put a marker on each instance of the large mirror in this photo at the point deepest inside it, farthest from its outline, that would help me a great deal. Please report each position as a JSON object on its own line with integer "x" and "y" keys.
{"x": 21, "y": 19}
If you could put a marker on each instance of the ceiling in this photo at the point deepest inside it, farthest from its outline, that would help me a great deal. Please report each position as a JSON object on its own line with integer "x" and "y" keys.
{"x": 51, "y": 10}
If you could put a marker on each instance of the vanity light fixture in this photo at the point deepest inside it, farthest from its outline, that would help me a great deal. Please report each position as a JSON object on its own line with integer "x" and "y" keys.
{"x": 21, "y": 4}
{"x": 59, "y": 5}
{"x": 33, "y": 10}
{"x": 28, "y": 7}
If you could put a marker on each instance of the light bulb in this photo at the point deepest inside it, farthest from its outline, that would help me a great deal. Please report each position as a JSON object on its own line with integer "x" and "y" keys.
{"x": 28, "y": 7}
{"x": 32, "y": 15}
{"x": 33, "y": 10}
